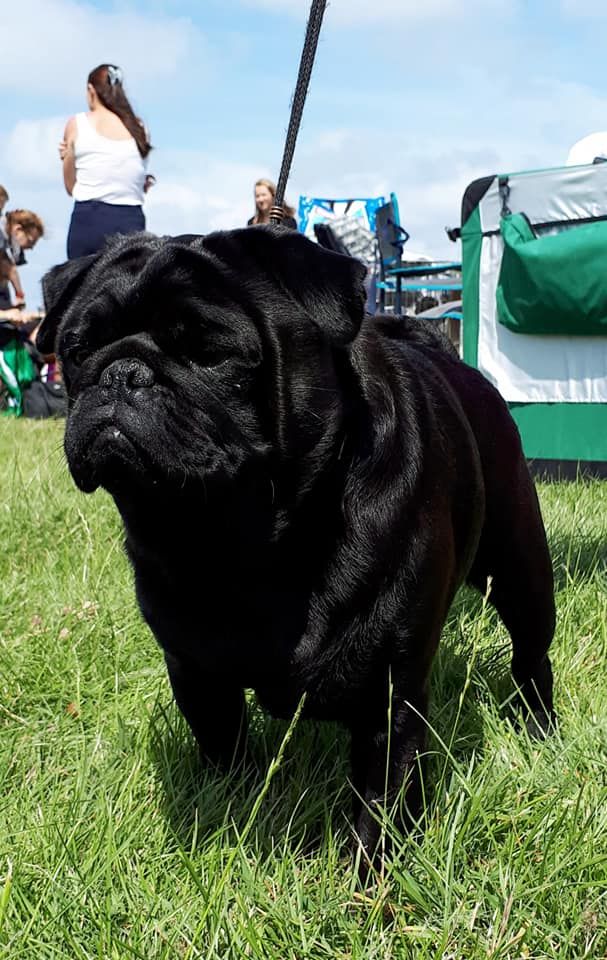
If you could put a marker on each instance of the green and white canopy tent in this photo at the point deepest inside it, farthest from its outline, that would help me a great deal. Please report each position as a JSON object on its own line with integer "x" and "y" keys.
{"x": 534, "y": 254}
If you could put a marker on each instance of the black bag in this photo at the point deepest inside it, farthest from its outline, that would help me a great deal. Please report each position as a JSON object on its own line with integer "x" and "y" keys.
{"x": 41, "y": 400}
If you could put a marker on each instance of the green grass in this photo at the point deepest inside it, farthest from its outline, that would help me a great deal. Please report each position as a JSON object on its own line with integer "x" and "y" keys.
{"x": 113, "y": 843}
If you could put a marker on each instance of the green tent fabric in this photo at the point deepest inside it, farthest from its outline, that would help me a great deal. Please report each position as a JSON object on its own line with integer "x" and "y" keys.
{"x": 17, "y": 371}
{"x": 553, "y": 284}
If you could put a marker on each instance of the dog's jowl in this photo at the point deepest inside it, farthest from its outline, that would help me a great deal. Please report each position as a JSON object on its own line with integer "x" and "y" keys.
{"x": 303, "y": 489}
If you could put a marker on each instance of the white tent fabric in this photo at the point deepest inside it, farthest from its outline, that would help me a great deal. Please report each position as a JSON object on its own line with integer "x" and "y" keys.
{"x": 527, "y": 368}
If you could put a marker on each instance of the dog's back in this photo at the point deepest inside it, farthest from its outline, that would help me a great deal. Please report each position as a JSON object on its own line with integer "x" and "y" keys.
{"x": 512, "y": 559}
{"x": 413, "y": 330}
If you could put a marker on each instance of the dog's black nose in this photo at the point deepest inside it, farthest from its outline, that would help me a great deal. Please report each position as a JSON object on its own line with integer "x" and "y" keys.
{"x": 127, "y": 373}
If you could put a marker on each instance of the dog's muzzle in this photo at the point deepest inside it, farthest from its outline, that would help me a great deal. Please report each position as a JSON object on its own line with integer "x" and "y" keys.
{"x": 126, "y": 375}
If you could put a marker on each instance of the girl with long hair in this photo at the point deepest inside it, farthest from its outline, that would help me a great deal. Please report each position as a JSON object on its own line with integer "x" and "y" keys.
{"x": 104, "y": 154}
{"x": 265, "y": 191}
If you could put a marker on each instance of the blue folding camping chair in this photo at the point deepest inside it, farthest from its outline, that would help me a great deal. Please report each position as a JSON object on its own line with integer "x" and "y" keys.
{"x": 396, "y": 277}
{"x": 391, "y": 238}
{"x": 313, "y": 210}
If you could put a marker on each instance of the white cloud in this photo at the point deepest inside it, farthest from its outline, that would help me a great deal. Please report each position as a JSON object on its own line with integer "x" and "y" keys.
{"x": 584, "y": 8}
{"x": 331, "y": 141}
{"x": 31, "y": 149}
{"x": 353, "y": 12}
{"x": 554, "y": 112}
{"x": 198, "y": 193}
{"x": 66, "y": 39}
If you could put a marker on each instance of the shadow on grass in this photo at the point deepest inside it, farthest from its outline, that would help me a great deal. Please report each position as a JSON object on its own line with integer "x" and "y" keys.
{"x": 308, "y": 795}
{"x": 310, "y": 798}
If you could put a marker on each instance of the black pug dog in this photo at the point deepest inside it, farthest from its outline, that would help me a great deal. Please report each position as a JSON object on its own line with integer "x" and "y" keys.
{"x": 303, "y": 488}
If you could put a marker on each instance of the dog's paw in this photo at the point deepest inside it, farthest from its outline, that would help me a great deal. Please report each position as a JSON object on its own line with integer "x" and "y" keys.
{"x": 540, "y": 723}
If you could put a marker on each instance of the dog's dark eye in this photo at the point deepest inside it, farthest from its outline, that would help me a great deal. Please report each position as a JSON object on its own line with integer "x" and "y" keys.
{"x": 71, "y": 351}
{"x": 210, "y": 358}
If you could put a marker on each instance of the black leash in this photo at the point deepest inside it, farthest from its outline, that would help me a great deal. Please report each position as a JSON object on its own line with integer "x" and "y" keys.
{"x": 299, "y": 98}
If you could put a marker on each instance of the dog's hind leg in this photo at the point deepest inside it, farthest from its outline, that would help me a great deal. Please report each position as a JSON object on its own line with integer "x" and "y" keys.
{"x": 214, "y": 710}
{"x": 513, "y": 552}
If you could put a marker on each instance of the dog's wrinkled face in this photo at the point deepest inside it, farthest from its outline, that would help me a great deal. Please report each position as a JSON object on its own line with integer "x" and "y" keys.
{"x": 183, "y": 358}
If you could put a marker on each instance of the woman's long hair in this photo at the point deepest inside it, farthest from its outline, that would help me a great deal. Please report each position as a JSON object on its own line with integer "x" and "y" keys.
{"x": 106, "y": 81}
{"x": 262, "y": 182}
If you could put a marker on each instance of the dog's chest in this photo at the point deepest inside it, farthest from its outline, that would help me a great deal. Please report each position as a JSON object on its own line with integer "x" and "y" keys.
{"x": 333, "y": 666}
{"x": 267, "y": 641}
{"x": 267, "y": 628}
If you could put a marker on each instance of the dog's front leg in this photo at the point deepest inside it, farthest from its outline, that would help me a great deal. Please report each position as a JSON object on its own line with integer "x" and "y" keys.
{"x": 214, "y": 708}
{"x": 384, "y": 760}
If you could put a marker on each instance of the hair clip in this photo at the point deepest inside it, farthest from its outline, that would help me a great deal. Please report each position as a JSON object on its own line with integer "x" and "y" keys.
{"x": 114, "y": 75}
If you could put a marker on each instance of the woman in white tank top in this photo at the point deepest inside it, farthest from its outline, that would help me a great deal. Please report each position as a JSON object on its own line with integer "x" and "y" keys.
{"x": 104, "y": 154}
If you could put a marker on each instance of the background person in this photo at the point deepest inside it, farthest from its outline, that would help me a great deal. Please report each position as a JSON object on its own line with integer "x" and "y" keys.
{"x": 19, "y": 230}
{"x": 104, "y": 154}
{"x": 20, "y": 318}
{"x": 265, "y": 192}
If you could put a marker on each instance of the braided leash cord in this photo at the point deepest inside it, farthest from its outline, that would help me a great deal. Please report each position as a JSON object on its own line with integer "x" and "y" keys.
{"x": 299, "y": 98}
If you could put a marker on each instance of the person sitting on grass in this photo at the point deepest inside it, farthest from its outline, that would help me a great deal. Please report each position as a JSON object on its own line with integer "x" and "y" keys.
{"x": 20, "y": 230}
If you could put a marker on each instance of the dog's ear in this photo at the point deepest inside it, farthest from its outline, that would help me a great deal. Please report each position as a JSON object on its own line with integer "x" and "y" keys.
{"x": 328, "y": 285}
{"x": 58, "y": 287}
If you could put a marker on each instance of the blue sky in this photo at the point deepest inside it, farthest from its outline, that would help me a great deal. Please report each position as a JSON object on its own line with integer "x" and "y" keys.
{"x": 415, "y": 96}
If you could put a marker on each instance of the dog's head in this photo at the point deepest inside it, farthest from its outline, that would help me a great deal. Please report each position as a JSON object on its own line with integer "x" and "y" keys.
{"x": 186, "y": 359}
